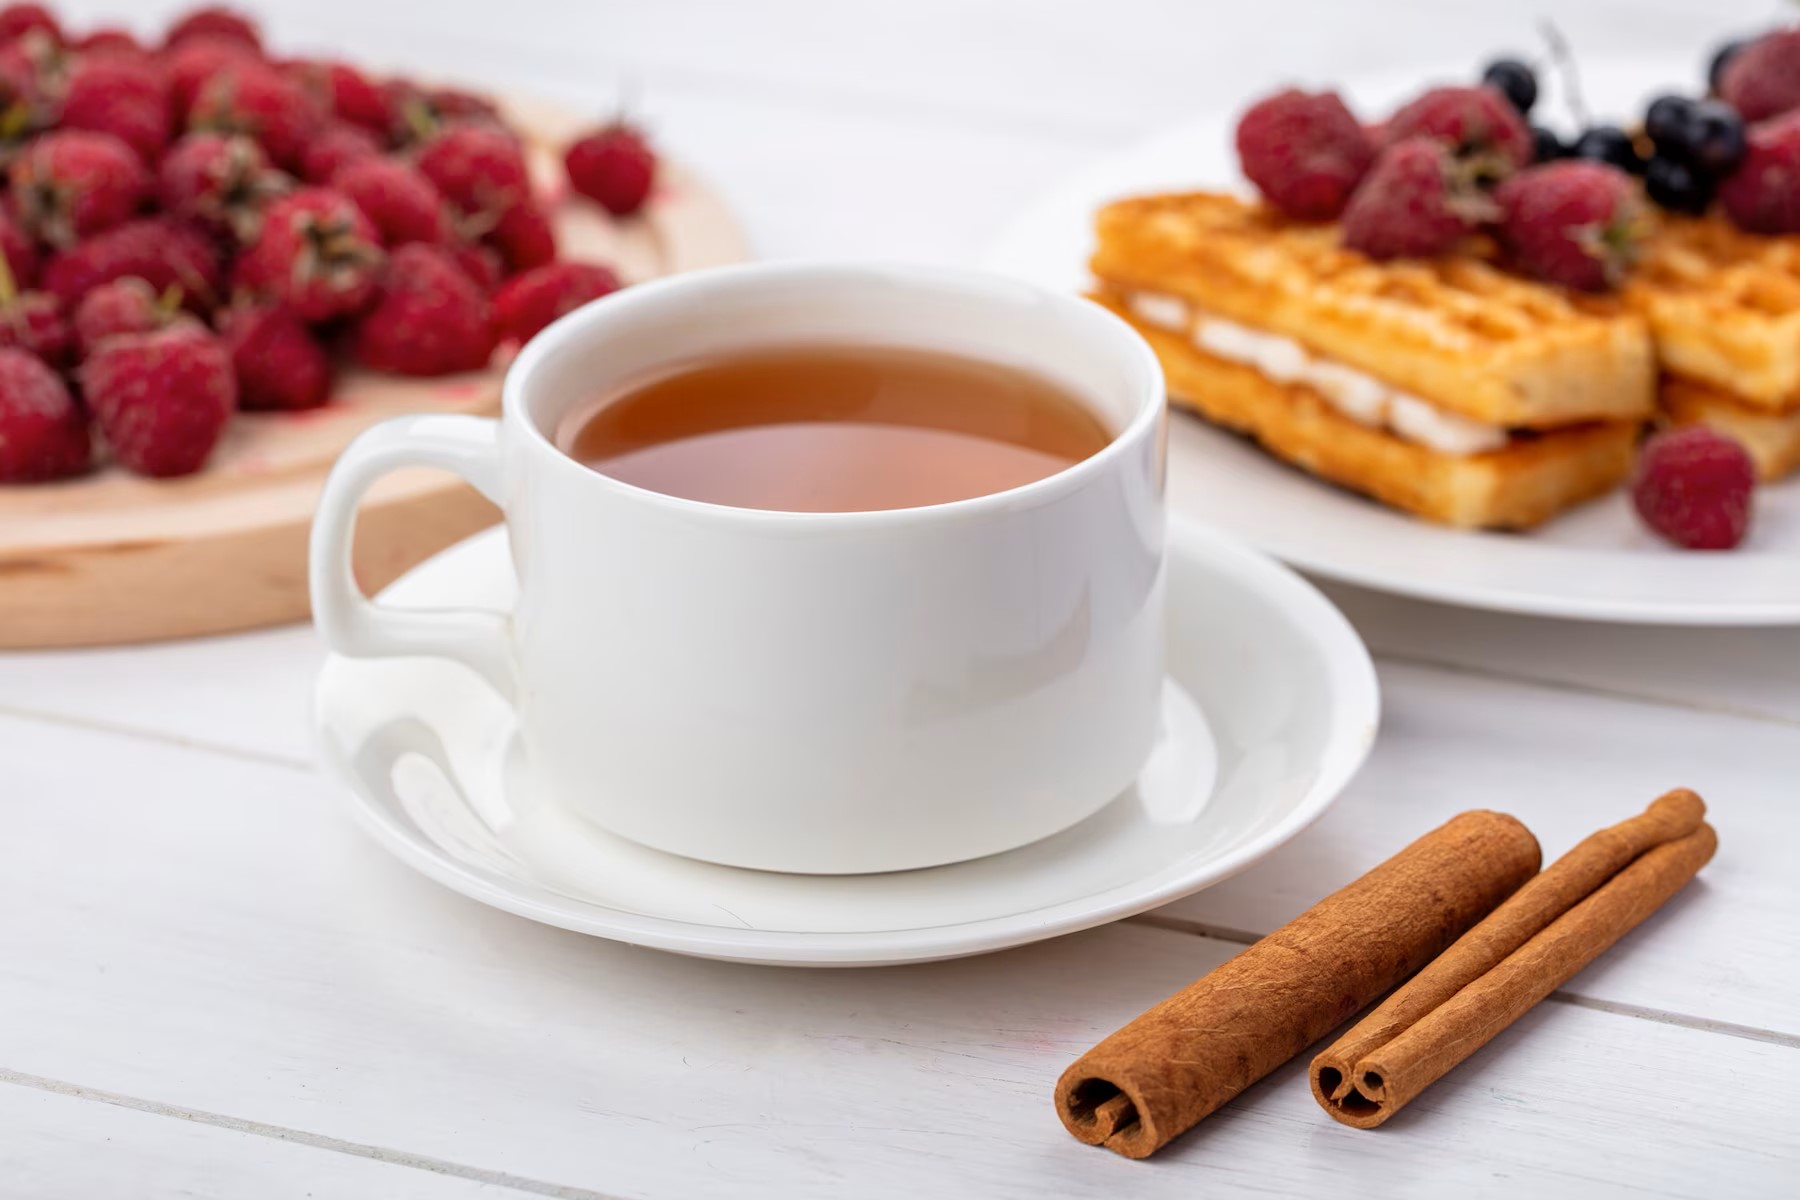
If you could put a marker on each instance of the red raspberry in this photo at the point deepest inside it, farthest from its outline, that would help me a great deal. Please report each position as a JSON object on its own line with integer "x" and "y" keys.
{"x": 20, "y": 254}
{"x": 615, "y": 167}
{"x": 336, "y": 148}
{"x": 1478, "y": 123}
{"x": 524, "y": 237}
{"x": 316, "y": 253}
{"x": 1694, "y": 486}
{"x": 401, "y": 203}
{"x": 530, "y": 301}
{"x": 34, "y": 322}
{"x": 280, "y": 365}
{"x": 166, "y": 252}
{"x": 161, "y": 399}
{"x": 197, "y": 60}
{"x": 1417, "y": 201}
{"x": 127, "y": 305}
{"x": 479, "y": 169}
{"x": 220, "y": 182}
{"x": 429, "y": 317}
{"x": 110, "y": 39}
{"x": 18, "y": 20}
{"x": 257, "y": 100}
{"x": 121, "y": 95}
{"x": 347, "y": 94}
{"x": 214, "y": 21}
{"x": 480, "y": 263}
{"x": 1304, "y": 152}
{"x": 1763, "y": 79}
{"x": 1763, "y": 194}
{"x": 71, "y": 184}
{"x": 43, "y": 434}
{"x": 1574, "y": 223}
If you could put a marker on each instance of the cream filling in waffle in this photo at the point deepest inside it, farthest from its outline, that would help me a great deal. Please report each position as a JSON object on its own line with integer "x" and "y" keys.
{"x": 1357, "y": 395}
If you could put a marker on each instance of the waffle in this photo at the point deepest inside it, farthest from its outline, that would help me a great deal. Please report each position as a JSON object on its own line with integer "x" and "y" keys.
{"x": 1456, "y": 332}
{"x": 1724, "y": 309}
{"x": 1772, "y": 438}
{"x": 1520, "y": 485}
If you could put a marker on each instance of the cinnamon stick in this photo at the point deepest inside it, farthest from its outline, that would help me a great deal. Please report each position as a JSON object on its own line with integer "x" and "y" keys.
{"x": 1551, "y": 928}
{"x": 1162, "y": 1073}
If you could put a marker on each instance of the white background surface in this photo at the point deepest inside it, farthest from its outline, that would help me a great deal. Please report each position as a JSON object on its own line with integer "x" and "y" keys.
{"x": 211, "y": 985}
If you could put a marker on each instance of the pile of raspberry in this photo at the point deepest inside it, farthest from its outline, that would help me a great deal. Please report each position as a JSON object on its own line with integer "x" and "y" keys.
{"x": 197, "y": 227}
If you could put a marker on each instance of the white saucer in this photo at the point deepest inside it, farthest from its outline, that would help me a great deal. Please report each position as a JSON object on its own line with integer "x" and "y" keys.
{"x": 1271, "y": 708}
{"x": 1597, "y": 562}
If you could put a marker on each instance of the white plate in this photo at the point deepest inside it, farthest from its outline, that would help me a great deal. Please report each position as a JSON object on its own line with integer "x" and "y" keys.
{"x": 1597, "y": 562}
{"x": 1283, "y": 710}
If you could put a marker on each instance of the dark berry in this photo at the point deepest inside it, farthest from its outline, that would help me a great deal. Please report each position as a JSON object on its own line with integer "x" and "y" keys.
{"x": 1677, "y": 186}
{"x": 1668, "y": 123}
{"x": 1546, "y": 146}
{"x": 1721, "y": 58}
{"x": 1514, "y": 80}
{"x": 1609, "y": 144}
{"x": 1716, "y": 141}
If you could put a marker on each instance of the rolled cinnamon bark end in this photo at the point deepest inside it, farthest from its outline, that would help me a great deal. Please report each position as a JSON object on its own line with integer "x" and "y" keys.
{"x": 1161, "y": 1074}
{"x": 1364, "y": 1080}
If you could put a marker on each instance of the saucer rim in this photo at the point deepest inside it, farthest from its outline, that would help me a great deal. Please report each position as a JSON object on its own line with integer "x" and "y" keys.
{"x": 1355, "y": 718}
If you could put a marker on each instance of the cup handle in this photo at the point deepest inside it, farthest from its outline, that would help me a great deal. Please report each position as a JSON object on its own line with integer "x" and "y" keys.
{"x": 349, "y": 621}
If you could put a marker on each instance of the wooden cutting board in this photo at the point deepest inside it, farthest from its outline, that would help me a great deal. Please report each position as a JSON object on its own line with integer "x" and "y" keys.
{"x": 113, "y": 557}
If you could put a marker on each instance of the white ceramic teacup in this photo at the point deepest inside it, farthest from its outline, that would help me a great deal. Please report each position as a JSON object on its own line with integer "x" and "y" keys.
{"x": 813, "y": 692}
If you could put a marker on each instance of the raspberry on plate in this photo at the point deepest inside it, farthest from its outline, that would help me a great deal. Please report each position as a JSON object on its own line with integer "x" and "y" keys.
{"x": 479, "y": 168}
{"x": 121, "y": 95}
{"x": 1762, "y": 80}
{"x": 524, "y": 237}
{"x": 336, "y": 148}
{"x": 612, "y": 166}
{"x": 400, "y": 203}
{"x": 1478, "y": 123}
{"x": 1575, "y": 223}
{"x": 256, "y": 100}
{"x": 316, "y": 253}
{"x": 122, "y": 306}
{"x": 161, "y": 399}
{"x": 166, "y": 252}
{"x": 34, "y": 322}
{"x": 1304, "y": 152}
{"x": 346, "y": 93}
{"x": 43, "y": 434}
{"x": 1417, "y": 201}
{"x": 70, "y": 184}
{"x": 214, "y": 21}
{"x": 1694, "y": 487}
{"x": 526, "y": 303}
{"x": 280, "y": 365}
{"x": 1763, "y": 194}
{"x": 190, "y": 65}
{"x": 429, "y": 317}
{"x": 221, "y": 182}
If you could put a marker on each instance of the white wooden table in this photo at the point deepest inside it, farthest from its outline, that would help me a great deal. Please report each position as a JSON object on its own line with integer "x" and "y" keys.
{"x": 212, "y": 985}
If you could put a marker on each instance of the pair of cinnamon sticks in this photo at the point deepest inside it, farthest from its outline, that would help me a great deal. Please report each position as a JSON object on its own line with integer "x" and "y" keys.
{"x": 1463, "y": 913}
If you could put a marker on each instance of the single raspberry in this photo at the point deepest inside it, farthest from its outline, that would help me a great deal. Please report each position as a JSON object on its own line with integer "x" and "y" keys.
{"x": 71, "y": 184}
{"x": 127, "y": 305}
{"x": 479, "y": 169}
{"x": 400, "y": 202}
{"x": 111, "y": 39}
{"x": 1575, "y": 223}
{"x": 316, "y": 253}
{"x": 20, "y": 254}
{"x": 220, "y": 182}
{"x": 524, "y": 237}
{"x": 280, "y": 365}
{"x": 480, "y": 263}
{"x": 1304, "y": 152}
{"x": 257, "y": 100}
{"x": 1416, "y": 201}
{"x": 19, "y": 20}
{"x": 43, "y": 434}
{"x": 529, "y": 301}
{"x": 429, "y": 318}
{"x": 161, "y": 399}
{"x": 1763, "y": 79}
{"x": 34, "y": 322}
{"x": 121, "y": 95}
{"x": 214, "y": 21}
{"x": 615, "y": 167}
{"x": 165, "y": 251}
{"x": 346, "y": 93}
{"x": 1694, "y": 487}
{"x": 190, "y": 65}
{"x": 1478, "y": 123}
{"x": 336, "y": 148}
{"x": 1763, "y": 194}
